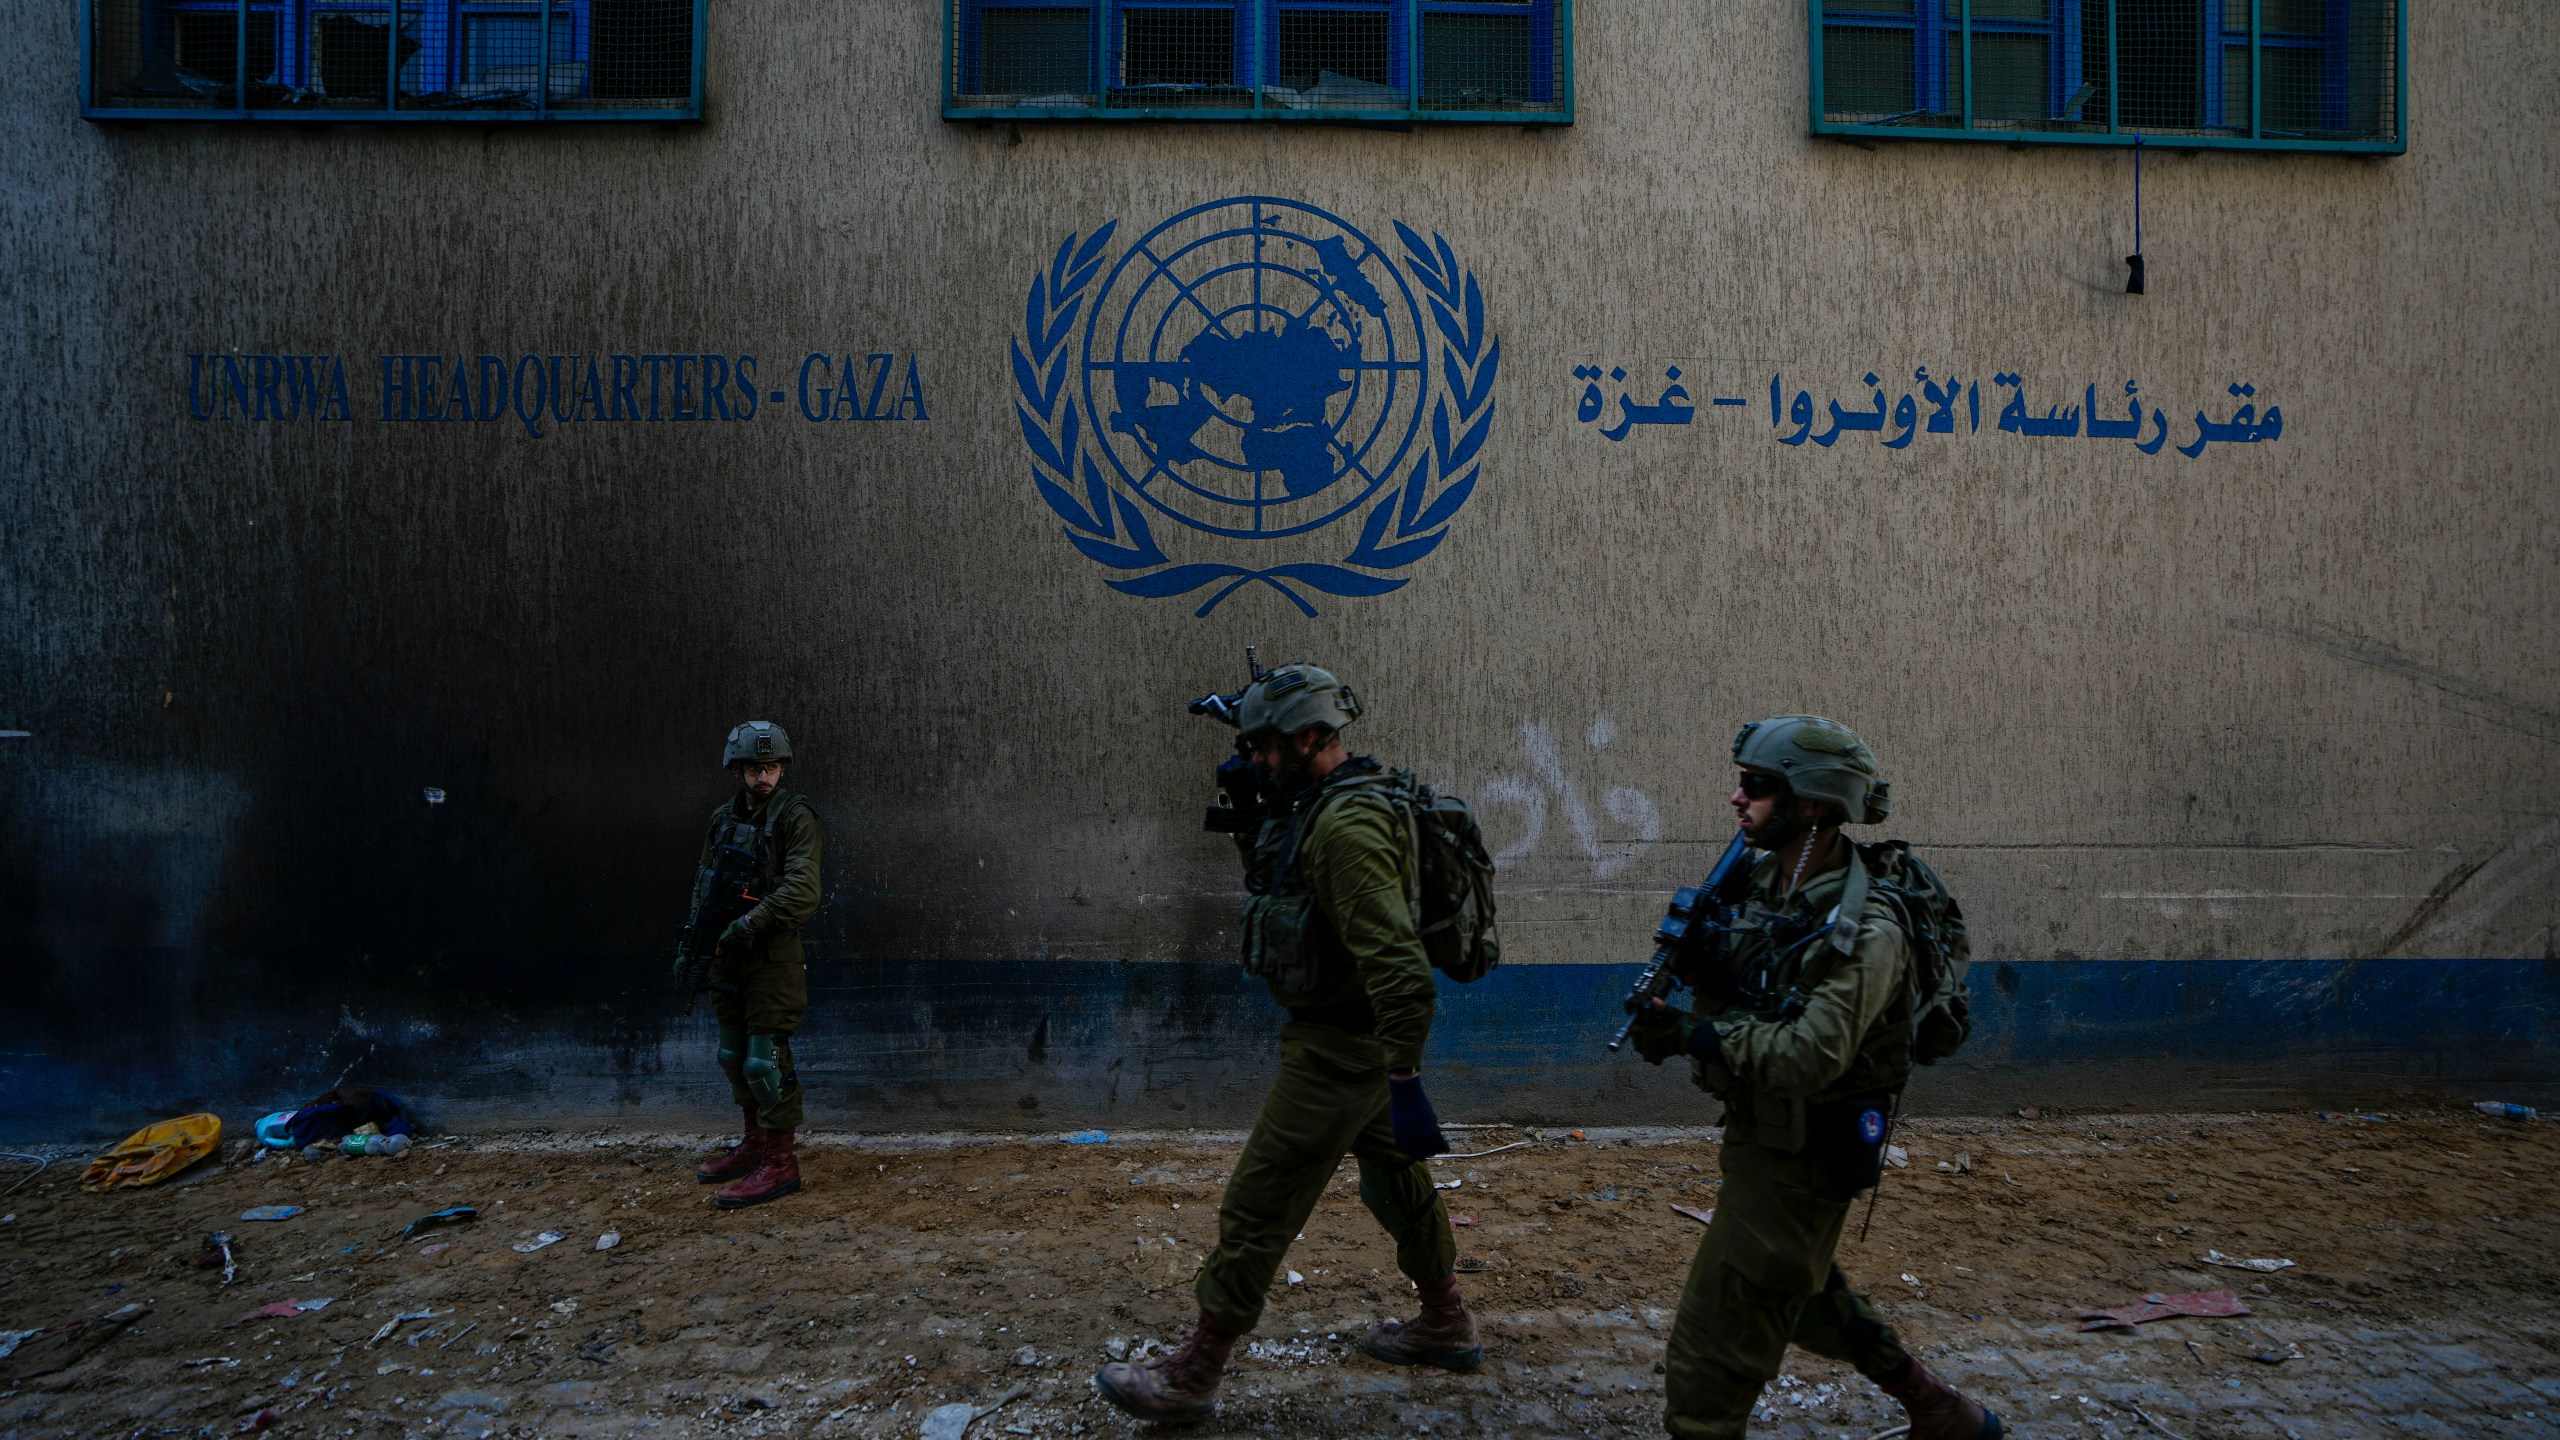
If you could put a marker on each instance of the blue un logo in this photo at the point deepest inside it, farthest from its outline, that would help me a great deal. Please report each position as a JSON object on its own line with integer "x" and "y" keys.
{"x": 1263, "y": 375}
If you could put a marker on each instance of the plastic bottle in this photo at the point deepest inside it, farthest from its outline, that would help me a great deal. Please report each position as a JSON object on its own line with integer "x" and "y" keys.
{"x": 375, "y": 1145}
{"x": 2503, "y": 1110}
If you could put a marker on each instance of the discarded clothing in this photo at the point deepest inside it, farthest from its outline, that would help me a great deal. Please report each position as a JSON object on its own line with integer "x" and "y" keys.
{"x": 154, "y": 1153}
{"x": 345, "y": 1110}
{"x": 2213, "y": 1304}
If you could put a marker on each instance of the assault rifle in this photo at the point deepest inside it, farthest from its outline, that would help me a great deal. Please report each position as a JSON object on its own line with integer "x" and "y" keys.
{"x": 719, "y": 897}
{"x": 1693, "y": 920}
{"x": 1238, "y": 784}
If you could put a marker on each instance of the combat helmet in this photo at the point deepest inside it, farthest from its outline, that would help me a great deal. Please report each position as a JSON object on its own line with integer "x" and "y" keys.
{"x": 1294, "y": 698}
{"x": 756, "y": 740}
{"x": 1820, "y": 759}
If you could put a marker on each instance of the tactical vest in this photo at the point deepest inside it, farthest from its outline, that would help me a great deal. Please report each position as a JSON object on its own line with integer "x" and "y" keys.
{"x": 1288, "y": 943}
{"x": 757, "y": 837}
{"x": 1773, "y": 957}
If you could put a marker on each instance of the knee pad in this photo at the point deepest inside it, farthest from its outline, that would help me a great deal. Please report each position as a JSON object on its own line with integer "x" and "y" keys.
{"x": 763, "y": 1069}
{"x": 733, "y": 1049}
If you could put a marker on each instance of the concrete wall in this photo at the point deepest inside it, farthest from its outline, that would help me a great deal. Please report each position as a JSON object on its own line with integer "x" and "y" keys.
{"x": 2284, "y": 701}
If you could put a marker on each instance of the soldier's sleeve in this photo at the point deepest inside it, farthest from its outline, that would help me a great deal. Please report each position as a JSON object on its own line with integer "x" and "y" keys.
{"x": 1355, "y": 860}
{"x": 1795, "y": 1059}
{"x": 794, "y": 897}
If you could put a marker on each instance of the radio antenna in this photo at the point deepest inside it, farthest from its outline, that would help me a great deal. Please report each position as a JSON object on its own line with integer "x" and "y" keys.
{"x": 1252, "y": 666}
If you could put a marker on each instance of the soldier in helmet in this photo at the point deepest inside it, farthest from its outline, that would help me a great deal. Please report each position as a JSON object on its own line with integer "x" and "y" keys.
{"x": 1330, "y": 930}
{"x": 762, "y": 987}
{"x": 1804, "y": 1030}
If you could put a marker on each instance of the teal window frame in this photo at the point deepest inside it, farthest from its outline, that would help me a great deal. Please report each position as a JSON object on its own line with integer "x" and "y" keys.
{"x": 1943, "y": 105}
{"x": 440, "y": 33}
{"x": 1257, "y": 57}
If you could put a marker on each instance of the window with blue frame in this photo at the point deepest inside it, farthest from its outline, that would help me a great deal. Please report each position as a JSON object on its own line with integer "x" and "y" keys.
{"x": 394, "y": 59}
{"x": 1505, "y": 60}
{"x": 2260, "y": 74}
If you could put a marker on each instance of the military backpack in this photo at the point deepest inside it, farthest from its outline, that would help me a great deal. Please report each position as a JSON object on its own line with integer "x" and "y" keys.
{"x": 1451, "y": 892}
{"x": 1942, "y": 1012}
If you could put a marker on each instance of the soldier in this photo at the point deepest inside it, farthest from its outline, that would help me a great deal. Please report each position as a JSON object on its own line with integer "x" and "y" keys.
{"x": 1330, "y": 929}
{"x": 1805, "y": 1032}
{"x": 763, "y": 987}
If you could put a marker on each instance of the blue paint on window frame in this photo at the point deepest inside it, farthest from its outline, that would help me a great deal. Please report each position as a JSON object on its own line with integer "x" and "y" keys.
{"x": 1550, "y": 61}
{"x": 440, "y": 26}
{"x": 1932, "y": 92}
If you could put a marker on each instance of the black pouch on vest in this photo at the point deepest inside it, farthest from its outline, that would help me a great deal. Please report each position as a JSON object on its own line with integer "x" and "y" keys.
{"x": 1845, "y": 1141}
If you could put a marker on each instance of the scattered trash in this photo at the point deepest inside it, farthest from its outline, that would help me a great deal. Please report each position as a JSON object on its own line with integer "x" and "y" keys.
{"x": 1480, "y": 1154}
{"x": 10, "y": 1340}
{"x": 458, "y": 1334}
{"x": 1961, "y": 1165}
{"x": 154, "y": 1153}
{"x": 394, "y": 1146}
{"x": 1027, "y": 1357}
{"x": 1703, "y": 1217}
{"x": 2031, "y": 1113}
{"x": 1115, "y": 1348}
{"x": 1573, "y": 1134}
{"x": 346, "y": 1110}
{"x": 1897, "y": 1157}
{"x": 270, "y": 1212}
{"x": 1447, "y": 1184}
{"x": 396, "y": 1321}
{"x": 453, "y": 1216}
{"x": 608, "y": 1239}
{"x": 547, "y": 1237}
{"x": 2212, "y": 1304}
{"x": 2263, "y": 1267}
{"x": 438, "y": 1248}
{"x": 275, "y": 1130}
{"x": 80, "y": 1339}
{"x": 1297, "y": 1279}
{"x": 219, "y": 1242}
{"x": 39, "y": 1161}
{"x": 1914, "y": 1282}
{"x": 951, "y": 1422}
{"x": 2504, "y": 1111}
{"x": 282, "y": 1310}
{"x": 252, "y": 1424}
{"x": 565, "y": 1307}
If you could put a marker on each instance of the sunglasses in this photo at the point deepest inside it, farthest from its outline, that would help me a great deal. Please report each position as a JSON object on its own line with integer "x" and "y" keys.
{"x": 1760, "y": 787}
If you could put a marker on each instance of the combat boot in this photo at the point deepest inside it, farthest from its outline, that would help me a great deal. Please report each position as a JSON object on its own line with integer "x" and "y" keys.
{"x": 1176, "y": 1387}
{"x": 1444, "y": 1334}
{"x": 777, "y": 1174}
{"x": 1938, "y": 1410}
{"x": 739, "y": 1159}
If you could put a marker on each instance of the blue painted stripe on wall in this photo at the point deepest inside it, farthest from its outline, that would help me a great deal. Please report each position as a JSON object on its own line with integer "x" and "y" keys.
{"x": 1030, "y": 1045}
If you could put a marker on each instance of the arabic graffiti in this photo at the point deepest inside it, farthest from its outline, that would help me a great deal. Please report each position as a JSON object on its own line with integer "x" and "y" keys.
{"x": 1954, "y": 406}
{"x": 1625, "y": 804}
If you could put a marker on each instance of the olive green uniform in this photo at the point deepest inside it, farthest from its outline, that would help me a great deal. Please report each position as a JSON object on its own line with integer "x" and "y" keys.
{"x": 1794, "y": 1088}
{"x": 1360, "y": 1004}
{"x": 771, "y": 975}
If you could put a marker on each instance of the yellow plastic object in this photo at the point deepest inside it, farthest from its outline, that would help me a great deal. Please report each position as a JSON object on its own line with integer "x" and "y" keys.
{"x": 154, "y": 1153}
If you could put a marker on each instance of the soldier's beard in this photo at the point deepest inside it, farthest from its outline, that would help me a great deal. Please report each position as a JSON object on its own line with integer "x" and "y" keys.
{"x": 1780, "y": 828}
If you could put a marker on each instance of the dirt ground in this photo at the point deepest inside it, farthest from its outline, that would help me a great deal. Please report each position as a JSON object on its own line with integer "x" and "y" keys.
{"x": 915, "y": 1273}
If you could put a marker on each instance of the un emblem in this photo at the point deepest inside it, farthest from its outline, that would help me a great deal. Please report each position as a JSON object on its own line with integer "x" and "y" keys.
{"x": 1268, "y": 379}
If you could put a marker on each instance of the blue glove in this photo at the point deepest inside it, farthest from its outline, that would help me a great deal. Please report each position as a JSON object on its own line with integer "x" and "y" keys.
{"x": 1705, "y": 1043}
{"x": 1409, "y": 1113}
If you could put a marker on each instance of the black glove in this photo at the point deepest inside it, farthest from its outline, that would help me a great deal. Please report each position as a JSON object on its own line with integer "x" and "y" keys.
{"x": 1705, "y": 1043}
{"x": 737, "y": 937}
{"x": 1409, "y": 1114}
{"x": 1660, "y": 1032}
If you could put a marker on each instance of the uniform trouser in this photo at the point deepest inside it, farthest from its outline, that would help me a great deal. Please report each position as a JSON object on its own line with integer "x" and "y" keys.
{"x": 1763, "y": 1278}
{"x": 1317, "y": 1111}
{"x": 773, "y": 995}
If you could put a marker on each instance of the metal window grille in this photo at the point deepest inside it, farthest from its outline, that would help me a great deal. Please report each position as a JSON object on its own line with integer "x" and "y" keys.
{"x": 1358, "y": 60}
{"x": 336, "y": 60}
{"x": 2242, "y": 74}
